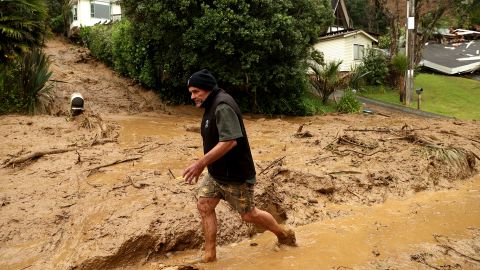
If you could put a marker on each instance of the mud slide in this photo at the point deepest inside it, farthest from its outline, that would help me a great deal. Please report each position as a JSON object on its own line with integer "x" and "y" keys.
{"x": 103, "y": 191}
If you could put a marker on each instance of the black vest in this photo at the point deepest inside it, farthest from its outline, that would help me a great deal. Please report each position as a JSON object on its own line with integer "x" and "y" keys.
{"x": 237, "y": 164}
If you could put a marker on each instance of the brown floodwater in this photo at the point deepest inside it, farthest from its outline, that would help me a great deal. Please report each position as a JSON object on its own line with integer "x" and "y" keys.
{"x": 388, "y": 230}
{"x": 392, "y": 229}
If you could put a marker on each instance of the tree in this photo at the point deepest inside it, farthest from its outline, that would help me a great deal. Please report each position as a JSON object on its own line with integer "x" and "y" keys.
{"x": 393, "y": 11}
{"x": 22, "y": 26}
{"x": 365, "y": 15}
{"x": 399, "y": 66}
{"x": 428, "y": 14}
{"x": 60, "y": 13}
{"x": 256, "y": 48}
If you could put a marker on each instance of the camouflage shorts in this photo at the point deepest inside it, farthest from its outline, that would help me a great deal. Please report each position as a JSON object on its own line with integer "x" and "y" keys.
{"x": 239, "y": 196}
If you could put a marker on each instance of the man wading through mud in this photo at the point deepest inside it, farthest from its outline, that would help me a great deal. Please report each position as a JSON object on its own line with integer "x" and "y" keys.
{"x": 231, "y": 172}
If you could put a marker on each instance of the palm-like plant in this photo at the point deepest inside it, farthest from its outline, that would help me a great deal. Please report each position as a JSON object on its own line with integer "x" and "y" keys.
{"x": 326, "y": 77}
{"x": 33, "y": 79}
{"x": 22, "y": 26}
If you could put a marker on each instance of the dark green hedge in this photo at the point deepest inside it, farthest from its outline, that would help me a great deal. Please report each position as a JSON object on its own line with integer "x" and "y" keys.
{"x": 256, "y": 49}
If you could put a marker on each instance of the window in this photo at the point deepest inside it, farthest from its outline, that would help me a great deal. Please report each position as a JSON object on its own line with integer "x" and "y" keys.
{"x": 74, "y": 11}
{"x": 357, "y": 52}
{"x": 100, "y": 11}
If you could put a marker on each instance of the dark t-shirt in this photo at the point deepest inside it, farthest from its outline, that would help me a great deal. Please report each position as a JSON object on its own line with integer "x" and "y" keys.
{"x": 228, "y": 126}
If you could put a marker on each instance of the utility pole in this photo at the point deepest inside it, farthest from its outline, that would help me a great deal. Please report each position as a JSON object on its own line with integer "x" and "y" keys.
{"x": 410, "y": 51}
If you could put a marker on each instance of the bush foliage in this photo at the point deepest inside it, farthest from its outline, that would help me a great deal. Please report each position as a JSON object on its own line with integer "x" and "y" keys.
{"x": 257, "y": 49}
{"x": 22, "y": 82}
{"x": 24, "y": 71}
{"x": 375, "y": 66}
{"x": 349, "y": 103}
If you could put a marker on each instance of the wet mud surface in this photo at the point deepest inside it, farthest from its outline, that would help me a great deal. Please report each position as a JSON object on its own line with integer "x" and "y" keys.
{"x": 103, "y": 190}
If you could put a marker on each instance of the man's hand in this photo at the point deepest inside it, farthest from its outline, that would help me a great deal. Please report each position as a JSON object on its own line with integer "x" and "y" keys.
{"x": 192, "y": 172}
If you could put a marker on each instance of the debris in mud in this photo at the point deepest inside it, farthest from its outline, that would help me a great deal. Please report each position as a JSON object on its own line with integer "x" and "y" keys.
{"x": 345, "y": 139}
{"x": 18, "y": 161}
{"x": 195, "y": 129}
{"x": 129, "y": 215}
{"x": 306, "y": 134}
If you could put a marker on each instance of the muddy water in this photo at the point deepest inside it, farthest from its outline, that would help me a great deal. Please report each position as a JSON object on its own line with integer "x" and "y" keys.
{"x": 392, "y": 229}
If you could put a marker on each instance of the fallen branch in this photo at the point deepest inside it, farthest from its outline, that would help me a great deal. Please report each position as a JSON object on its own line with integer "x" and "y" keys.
{"x": 359, "y": 153}
{"x": 334, "y": 139}
{"x": 347, "y": 140}
{"x": 36, "y": 155}
{"x": 383, "y": 114}
{"x": 344, "y": 172}
{"x": 405, "y": 128}
{"x": 386, "y": 130}
{"x": 454, "y": 250}
{"x": 318, "y": 159}
{"x": 111, "y": 164}
{"x": 351, "y": 192}
{"x": 93, "y": 185}
{"x": 136, "y": 185}
{"x": 145, "y": 147}
{"x": 455, "y": 134}
{"x": 171, "y": 173}
{"x": 79, "y": 158}
{"x": 271, "y": 164}
{"x": 97, "y": 141}
{"x": 413, "y": 139}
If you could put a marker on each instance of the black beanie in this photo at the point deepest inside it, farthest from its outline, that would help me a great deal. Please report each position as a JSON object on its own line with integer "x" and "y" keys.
{"x": 202, "y": 79}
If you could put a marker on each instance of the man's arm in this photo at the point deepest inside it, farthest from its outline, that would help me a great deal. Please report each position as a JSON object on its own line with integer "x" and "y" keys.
{"x": 193, "y": 171}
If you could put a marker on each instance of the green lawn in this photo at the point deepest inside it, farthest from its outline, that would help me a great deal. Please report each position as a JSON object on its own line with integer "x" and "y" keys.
{"x": 447, "y": 95}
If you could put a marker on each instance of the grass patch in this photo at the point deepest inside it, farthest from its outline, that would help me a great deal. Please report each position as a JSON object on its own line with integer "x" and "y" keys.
{"x": 314, "y": 105}
{"x": 446, "y": 95}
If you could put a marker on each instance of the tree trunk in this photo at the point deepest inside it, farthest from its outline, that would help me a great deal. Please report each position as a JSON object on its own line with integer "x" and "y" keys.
{"x": 401, "y": 87}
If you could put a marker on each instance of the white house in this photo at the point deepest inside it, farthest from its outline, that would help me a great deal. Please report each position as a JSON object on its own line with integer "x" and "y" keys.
{"x": 343, "y": 43}
{"x": 347, "y": 46}
{"x": 91, "y": 12}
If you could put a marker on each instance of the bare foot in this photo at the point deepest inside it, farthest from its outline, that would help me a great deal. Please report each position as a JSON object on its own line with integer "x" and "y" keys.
{"x": 202, "y": 260}
{"x": 288, "y": 238}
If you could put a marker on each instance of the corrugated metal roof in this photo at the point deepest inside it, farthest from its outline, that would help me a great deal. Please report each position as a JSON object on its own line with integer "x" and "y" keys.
{"x": 452, "y": 58}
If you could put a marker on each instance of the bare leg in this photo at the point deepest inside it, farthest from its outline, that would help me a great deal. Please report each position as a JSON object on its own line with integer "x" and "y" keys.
{"x": 206, "y": 207}
{"x": 266, "y": 220}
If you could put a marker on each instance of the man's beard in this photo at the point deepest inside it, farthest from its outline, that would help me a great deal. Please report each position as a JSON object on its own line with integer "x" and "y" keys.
{"x": 198, "y": 103}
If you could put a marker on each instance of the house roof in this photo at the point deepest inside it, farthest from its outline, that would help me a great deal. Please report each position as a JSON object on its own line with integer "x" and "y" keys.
{"x": 452, "y": 58}
{"x": 341, "y": 12}
{"x": 344, "y": 34}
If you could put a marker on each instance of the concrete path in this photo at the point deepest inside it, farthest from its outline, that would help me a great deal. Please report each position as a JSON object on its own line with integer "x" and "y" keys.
{"x": 392, "y": 107}
{"x": 398, "y": 108}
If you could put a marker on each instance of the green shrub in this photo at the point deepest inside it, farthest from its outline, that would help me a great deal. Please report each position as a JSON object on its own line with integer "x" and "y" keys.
{"x": 9, "y": 94}
{"x": 385, "y": 41}
{"x": 98, "y": 39}
{"x": 123, "y": 46}
{"x": 399, "y": 63}
{"x": 131, "y": 54}
{"x": 313, "y": 105}
{"x": 348, "y": 103}
{"x": 375, "y": 63}
{"x": 57, "y": 25}
{"x": 255, "y": 49}
{"x": 119, "y": 46}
